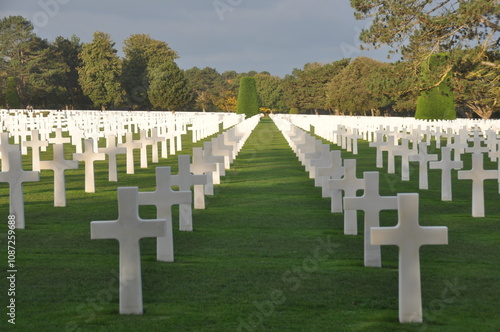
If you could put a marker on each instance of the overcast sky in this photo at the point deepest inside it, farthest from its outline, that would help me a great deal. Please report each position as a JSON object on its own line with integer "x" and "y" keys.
{"x": 242, "y": 35}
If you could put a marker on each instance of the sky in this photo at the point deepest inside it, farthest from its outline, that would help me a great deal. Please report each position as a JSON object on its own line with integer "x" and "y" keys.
{"x": 242, "y": 35}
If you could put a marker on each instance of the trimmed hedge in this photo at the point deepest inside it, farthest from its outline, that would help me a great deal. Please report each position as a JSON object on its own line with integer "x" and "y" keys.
{"x": 439, "y": 102}
{"x": 248, "y": 100}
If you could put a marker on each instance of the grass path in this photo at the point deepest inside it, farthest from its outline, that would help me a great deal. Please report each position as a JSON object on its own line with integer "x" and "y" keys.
{"x": 265, "y": 254}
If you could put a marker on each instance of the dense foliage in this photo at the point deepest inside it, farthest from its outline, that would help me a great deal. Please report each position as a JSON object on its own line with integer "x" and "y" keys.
{"x": 438, "y": 102}
{"x": 468, "y": 30}
{"x": 69, "y": 74}
{"x": 248, "y": 100}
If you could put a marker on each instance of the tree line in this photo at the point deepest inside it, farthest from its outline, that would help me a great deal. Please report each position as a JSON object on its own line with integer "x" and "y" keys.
{"x": 69, "y": 74}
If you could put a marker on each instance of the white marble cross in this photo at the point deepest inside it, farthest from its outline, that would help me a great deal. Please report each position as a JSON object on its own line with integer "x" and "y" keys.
{"x": 128, "y": 230}
{"x": 390, "y": 147}
{"x": 35, "y": 144}
{"x": 145, "y": 141}
{"x": 200, "y": 166}
{"x": 14, "y": 175}
{"x": 405, "y": 152}
{"x": 409, "y": 236}
{"x": 446, "y": 165}
{"x": 59, "y": 165}
{"x": 334, "y": 170}
{"x": 423, "y": 159}
{"x": 130, "y": 145}
{"x": 155, "y": 139}
{"x": 5, "y": 148}
{"x": 371, "y": 203}
{"x": 211, "y": 158}
{"x": 89, "y": 157}
{"x": 478, "y": 174}
{"x": 59, "y": 138}
{"x": 111, "y": 150}
{"x": 378, "y": 143}
{"x": 349, "y": 184}
{"x": 163, "y": 198}
{"x": 184, "y": 179}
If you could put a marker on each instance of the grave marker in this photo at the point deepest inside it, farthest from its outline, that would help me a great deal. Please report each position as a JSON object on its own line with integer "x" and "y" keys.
{"x": 164, "y": 198}
{"x": 128, "y": 229}
{"x": 15, "y": 176}
{"x": 350, "y": 184}
{"x": 409, "y": 236}
{"x": 59, "y": 165}
{"x": 478, "y": 174}
{"x": 371, "y": 203}
{"x": 446, "y": 165}
{"x": 89, "y": 157}
{"x": 184, "y": 180}
{"x": 111, "y": 150}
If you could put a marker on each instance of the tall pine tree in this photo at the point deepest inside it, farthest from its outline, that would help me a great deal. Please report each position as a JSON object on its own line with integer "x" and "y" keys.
{"x": 99, "y": 75}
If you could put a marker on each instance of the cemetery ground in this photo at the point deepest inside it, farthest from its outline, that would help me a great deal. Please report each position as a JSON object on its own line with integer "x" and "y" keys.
{"x": 265, "y": 254}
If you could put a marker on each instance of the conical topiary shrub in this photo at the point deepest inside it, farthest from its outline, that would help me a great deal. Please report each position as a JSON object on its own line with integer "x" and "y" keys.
{"x": 248, "y": 100}
{"x": 438, "y": 102}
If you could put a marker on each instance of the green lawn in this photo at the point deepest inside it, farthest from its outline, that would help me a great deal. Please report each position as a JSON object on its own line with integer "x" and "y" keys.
{"x": 266, "y": 254}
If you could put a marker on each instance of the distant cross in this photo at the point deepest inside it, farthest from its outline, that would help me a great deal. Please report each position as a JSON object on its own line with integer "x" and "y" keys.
{"x": 200, "y": 166}
{"x": 349, "y": 184}
{"x": 128, "y": 230}
{"x": 423, "y": 159}
{"x": 14, "y": 175}
{"x": 164, "y": 198}
{"x": 390, "y": 147}
{"x": 89, "y": 157}
{"x": 59, "y": 139}
{"x": 111, "y": 150}
{"x": 145, "y": 141}
{"x": 185, "y": 180}
{"x": 59, "y": 165}
{"x": 477, "y": 146}
{"x": 478, "y": 174}
{"x": 155, "y": 140}
{"x": 334, "y": 170}
{"x": 409, "y": 236}
{"x": 218, "y": 160}
{"x": 35, "y": 144}
{"x": 371, "y": 203}
{"x": 130, "y": 145}
{"x": 405, "y": 152}
{"x": 378, "y": 143}
{"x": 446, "y": 165}
{"x": 217, "y": 151}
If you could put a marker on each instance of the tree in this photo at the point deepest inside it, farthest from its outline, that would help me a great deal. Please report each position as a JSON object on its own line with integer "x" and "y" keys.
{"x": 67, "y": 51}
{"x": 168, "y": 87}
{"x": 306, "y": 89}
{"x": 248, "y": 100}
{"x": 99, "y": 75}
{"x": 16, "y": 51}
{"x": 472, "y": 86}
{"x": 420, "y": 28}
{"x": 142, "y": 54}
{"x": 270, "y": 91}
{"x": 11, "y": 98}
{"x": 437, "y": 102}
{"x": 206, "y": 86}
{"x": 351, "y": 90}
